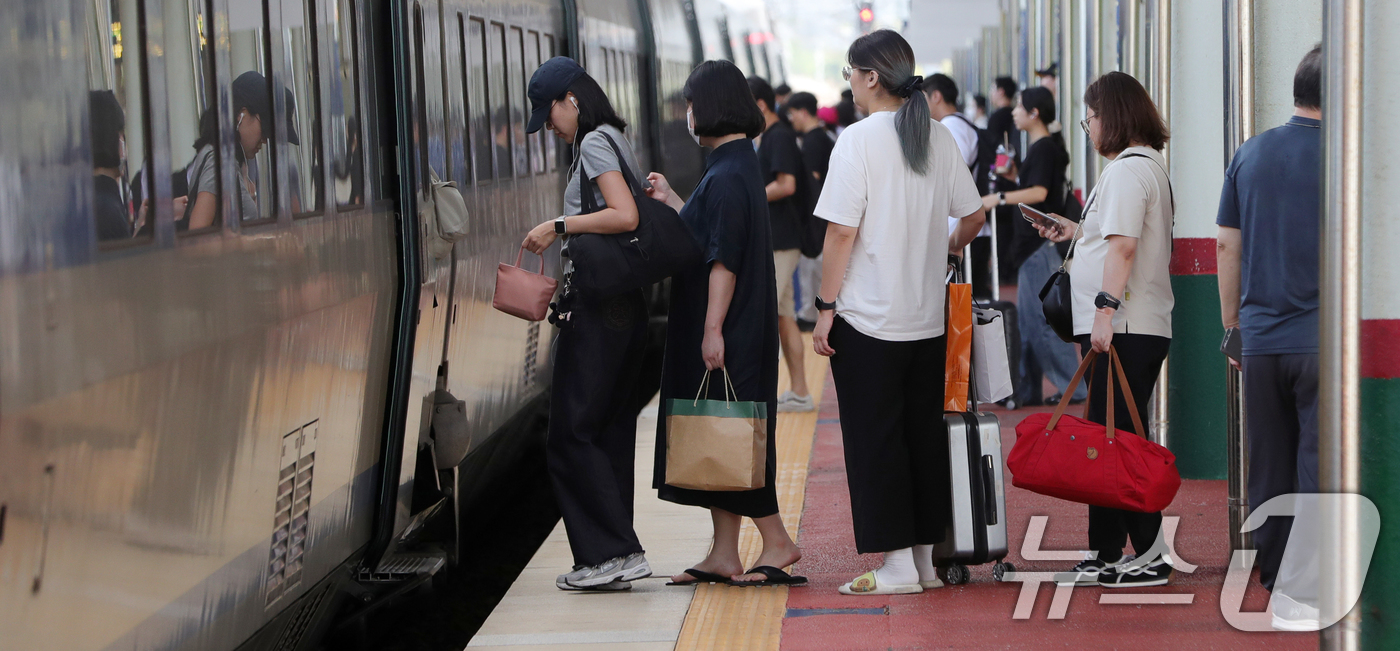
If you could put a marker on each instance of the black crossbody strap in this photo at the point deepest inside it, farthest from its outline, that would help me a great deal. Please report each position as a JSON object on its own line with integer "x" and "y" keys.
{"x": 586, "y": 184}
{"x": 1095, "y": 195}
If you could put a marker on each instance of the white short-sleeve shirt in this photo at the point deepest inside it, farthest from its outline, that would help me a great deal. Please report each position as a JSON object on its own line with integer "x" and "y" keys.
{"x": 893, "y": 289}
{"x": 1133, "y": 199}
{"x": 965, "y": 134}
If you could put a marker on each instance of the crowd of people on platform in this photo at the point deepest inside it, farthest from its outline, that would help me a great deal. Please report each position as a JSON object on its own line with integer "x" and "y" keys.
{"x": 900, "y": 177}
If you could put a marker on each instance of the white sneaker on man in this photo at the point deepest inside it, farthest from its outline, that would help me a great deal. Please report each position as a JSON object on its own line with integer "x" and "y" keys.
{"x": 1292, "y": 615}
{"x": 791, "y": 402}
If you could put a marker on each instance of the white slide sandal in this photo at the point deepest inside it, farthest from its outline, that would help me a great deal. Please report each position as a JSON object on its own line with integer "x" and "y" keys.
{"x": 866, "y": 585}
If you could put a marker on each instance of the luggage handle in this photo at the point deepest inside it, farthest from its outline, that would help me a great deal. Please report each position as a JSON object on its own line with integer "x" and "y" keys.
{"x": 1117, "y": 366}
{"x": 989, "y": 477}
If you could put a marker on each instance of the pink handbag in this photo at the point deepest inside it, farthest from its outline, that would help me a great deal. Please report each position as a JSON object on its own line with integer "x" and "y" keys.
{"x": 523, "y": 293}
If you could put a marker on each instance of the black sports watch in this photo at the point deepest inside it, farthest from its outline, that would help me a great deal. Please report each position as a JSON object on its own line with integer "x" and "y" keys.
{"x": 1105, "y": 299}
{"x": 823, "y": 306}
{"x": 559, "y": 225}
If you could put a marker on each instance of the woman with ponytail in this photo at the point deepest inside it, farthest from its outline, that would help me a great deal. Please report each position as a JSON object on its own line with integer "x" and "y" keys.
{"x": 893, "y": 179}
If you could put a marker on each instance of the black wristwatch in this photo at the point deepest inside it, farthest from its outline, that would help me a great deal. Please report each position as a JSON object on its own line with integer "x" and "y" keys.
{"x": 1105, "y": 299}
{"x": 559, "y": 225}
{"x": 823, "y": 306}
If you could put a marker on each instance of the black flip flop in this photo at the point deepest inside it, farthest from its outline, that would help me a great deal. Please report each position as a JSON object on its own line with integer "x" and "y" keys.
{"x": 701, "y": 576}
{"x": 775, "y": 577}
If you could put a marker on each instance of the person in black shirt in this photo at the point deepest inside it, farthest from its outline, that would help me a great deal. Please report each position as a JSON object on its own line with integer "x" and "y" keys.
{"x": 1000, "y": 123}
{"x": 108, "y": 149}
{"x": 1001, "y": 127}
{"x": 1041, "y": 185}
{"x": 817, "y": 143}
{"x": 781, "y": 161}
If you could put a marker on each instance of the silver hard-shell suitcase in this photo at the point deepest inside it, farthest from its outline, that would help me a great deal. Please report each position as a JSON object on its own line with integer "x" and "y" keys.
{"x": 977, "y": 532}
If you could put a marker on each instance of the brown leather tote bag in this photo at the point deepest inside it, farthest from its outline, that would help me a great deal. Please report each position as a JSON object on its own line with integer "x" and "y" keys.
{"x": 523, "y": 293}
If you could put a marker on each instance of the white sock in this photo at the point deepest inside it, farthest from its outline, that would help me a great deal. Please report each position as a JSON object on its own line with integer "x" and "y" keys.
{"x": 898, "y": 568}
{"x": 923, "y": 561}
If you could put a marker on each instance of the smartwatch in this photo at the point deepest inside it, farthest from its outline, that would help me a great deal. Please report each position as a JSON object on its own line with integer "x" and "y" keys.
{"x": 559, "y": 225}
{"x": 823, "y": 306}
{"x": 1105, "y": 299}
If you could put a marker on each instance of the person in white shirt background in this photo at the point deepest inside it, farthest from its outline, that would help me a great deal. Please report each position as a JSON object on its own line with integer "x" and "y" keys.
{"x": 893, "y": 178}
{"x": 942, "y": 94}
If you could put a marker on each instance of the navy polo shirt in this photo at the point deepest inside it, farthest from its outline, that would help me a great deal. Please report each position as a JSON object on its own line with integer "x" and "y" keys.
{"x": 1272, "y": 193}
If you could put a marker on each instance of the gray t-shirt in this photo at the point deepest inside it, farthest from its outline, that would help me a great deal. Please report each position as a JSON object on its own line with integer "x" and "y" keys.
{"x": 203, "y": 176}
{"x": 598, "y": 157}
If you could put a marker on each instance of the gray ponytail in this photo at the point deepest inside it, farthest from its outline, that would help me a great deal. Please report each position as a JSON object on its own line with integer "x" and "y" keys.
{"x": 889, "y": 55}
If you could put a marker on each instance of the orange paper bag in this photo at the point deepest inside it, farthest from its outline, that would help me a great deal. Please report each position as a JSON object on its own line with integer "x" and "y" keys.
{"x": 959, "y": 332}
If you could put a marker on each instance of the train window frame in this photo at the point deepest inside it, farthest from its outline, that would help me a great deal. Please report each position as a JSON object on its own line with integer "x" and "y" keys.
{"x": 420, "y": 100}
{"x": 478, "y": 104}
{"x": 498, "y": 93}
{"x": 534, "y": 142}
{"x": 517, "y": 85}
{"x": 228, "y": 133}
{"x": 464, "y": 73}
{"x": 113, "y": 29}
{"x": 347, "y": 23}
{"x": 208, "y": 84}
{"x": 551, "y": 142}
{"x": 315, "y": 128}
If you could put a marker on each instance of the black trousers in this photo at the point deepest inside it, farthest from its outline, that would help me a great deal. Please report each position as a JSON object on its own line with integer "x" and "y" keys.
{"x": 981, "y": 268}
{"x": 1280, "y": 402}
{"x": 592, "y": 427}
{"x": 1142, "y": 357}
{"x": 890, "y": 396}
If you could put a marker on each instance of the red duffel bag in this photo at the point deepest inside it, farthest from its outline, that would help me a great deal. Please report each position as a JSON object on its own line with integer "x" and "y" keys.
{"x": 1076, "y": 460}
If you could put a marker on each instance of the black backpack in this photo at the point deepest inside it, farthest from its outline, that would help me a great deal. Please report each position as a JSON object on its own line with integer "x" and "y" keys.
{"x": 811, "y": 230}
{"x": 986, "y": 157}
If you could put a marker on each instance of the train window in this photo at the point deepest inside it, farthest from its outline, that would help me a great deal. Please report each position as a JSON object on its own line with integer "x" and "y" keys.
{"x": 536, "y": 139}
{"x": 476, "y": 97}
{"x": 251, "y": 124}
{"x": 462, "y": 111}
{"x": 188, "y": 97}
{"x": 515, "y": 52}
{"x": 496, "y": 83}
{"x": 117, "y": 118}
{"x": 420, "y": 122}
{"x": 347, "y": 152}
{"x": 303, "y": 108}
{"x": 551, "y": 144}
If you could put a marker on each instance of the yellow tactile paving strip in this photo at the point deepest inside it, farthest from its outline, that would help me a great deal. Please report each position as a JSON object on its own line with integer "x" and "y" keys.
{"x": 735, "y": 619}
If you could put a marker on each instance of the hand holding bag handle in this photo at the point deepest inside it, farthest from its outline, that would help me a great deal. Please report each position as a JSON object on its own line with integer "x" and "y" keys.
{"x": 728, "y": 388}
{"x": 522, "y": 293}
{"x": 1122, "y": 381}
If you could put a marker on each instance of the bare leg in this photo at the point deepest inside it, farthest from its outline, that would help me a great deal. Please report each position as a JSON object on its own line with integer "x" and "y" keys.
{"x": 778, "y": 548}
{"x": 793, "y": 351}
{"x": 724, "y": 551}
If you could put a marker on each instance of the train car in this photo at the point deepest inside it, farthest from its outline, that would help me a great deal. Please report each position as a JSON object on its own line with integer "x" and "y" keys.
{"x": 239, "y": 395}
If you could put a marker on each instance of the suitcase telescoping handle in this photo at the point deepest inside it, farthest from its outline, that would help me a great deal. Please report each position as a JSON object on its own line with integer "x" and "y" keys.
{"x": 989, "y": 478}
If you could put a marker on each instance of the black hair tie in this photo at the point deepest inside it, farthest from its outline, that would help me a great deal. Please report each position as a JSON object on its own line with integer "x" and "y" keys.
{"x": 909, "y": 86}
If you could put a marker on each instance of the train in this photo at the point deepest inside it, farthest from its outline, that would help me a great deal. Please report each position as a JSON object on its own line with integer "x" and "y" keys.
{"x": 230, "y": 433}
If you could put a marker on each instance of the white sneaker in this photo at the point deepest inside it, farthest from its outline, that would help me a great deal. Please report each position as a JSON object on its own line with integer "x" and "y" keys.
{"x": 1292, "y": 615}
{"x": 794, "y": 403}
{"x": 622, "y": 568}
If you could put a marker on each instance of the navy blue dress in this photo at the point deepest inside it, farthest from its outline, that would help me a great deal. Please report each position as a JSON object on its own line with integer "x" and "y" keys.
{"x": 728, "y": 213}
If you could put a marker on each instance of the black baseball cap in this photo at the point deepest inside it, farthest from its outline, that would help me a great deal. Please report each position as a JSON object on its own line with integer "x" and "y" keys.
{"x": 1052, "y": 70}
{"x": 250, "y": 90}
{"x": 552, "y": 79}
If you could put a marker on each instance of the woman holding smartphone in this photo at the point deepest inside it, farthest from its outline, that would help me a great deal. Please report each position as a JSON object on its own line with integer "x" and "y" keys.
{"x": 1122, "y": 297}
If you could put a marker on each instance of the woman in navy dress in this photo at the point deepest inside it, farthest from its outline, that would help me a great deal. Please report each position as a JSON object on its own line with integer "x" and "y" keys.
{"x": 724, "y": 315}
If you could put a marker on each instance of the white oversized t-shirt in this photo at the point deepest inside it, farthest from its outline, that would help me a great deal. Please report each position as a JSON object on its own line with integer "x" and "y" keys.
{"x": 1133, "y": 199}
{"x": 893, "y": 289}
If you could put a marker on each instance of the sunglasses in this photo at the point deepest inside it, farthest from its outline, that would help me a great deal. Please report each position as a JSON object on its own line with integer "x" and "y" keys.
{"x": 847, "y": 71}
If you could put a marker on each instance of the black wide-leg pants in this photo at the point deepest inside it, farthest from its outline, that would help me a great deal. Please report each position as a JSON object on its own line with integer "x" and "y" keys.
{"x": 890, "y": 396}
{"x": 1142, "y": 357}
{"x": 592, "y": 427}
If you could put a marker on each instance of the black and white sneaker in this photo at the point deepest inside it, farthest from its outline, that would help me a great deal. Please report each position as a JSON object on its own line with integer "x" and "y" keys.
{"x": 1138, "y": 575}
{"x": 1088, "y": 571}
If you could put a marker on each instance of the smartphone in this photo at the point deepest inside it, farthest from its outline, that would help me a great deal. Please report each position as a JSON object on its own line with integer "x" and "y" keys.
{"x": 1038, "y": 218}
{"x": 1232, "y": 344}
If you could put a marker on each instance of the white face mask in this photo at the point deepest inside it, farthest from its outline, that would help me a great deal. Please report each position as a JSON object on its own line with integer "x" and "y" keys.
{"x": 690, "y": 125}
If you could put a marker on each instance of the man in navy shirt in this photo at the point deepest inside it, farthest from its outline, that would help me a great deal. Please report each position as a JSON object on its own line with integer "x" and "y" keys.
{"x": 1267, "y": 254}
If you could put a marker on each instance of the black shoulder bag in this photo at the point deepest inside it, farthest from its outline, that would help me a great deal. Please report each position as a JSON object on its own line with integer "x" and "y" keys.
{"x": 1057, "y": 296}
{"x": 660, "y": 247}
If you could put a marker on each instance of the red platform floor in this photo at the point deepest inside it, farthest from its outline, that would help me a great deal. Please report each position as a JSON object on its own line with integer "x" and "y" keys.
{"x": 979, "y": 614}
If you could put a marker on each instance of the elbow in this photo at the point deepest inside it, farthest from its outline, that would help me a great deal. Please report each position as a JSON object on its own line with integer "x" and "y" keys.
{"x": 630, "y": 220}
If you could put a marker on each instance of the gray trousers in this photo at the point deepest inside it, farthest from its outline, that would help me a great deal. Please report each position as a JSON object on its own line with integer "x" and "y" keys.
{"x": 1280, "y": 402}
{"x": 1043, "y": 354}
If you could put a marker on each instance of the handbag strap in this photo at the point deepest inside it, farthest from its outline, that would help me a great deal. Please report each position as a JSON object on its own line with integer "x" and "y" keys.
{"x": 728, "y": 388}
{"x": 586, "y": 200}
{"x": 1084, "y": 214}
{"x": 520, "y": 255}
{"x": 1117, "y": 367}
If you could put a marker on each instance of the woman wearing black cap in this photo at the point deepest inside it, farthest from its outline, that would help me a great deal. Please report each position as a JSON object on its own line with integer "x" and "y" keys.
{"x": 252, "y": 111}
{"x": 723, "y": 317}
{"x": 598, "y": 355}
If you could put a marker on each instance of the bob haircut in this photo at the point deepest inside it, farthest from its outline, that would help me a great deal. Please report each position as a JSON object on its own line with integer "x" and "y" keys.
{"x": 1126, "y": 114}
{"x": 1040, "y": 100}
{"x": 720, "y": 101}
{"x": 594, "y": 108}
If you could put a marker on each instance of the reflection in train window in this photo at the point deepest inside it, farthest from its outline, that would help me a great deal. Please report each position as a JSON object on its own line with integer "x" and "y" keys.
{"x": 551, "y": 145}
{"x": 496, "y": 82}
{"x": 251, "y": 123}
{"x": 515, "y": 51}
{"x": 420, "y": 123}
{"x": 347, "y": 152}
{"x": 536, "y": 139}
{"x": 117, "y": 119}
{"x": 188, "y": 95}
{"x": 463, "y": 63}
{"x": 303, "y": 109}
{"x": 477, "y": 101}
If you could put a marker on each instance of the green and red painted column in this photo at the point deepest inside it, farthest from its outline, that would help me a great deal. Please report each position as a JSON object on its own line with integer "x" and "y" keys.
{"x": 1197, "y": 370}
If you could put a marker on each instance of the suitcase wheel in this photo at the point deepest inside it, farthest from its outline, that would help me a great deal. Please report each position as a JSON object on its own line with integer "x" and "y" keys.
{"x": 1000, "y": 569}
{"x": 955, "y": 574}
